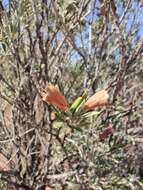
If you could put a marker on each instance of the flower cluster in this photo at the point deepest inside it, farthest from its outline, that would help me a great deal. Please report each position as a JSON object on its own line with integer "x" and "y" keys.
{"x": 54, "y": 97}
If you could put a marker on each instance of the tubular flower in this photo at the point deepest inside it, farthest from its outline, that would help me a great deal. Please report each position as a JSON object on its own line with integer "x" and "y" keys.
{"x": 106, "y": 132}
{"x": 53, "y": 96}
{"x": 100, "y": 98}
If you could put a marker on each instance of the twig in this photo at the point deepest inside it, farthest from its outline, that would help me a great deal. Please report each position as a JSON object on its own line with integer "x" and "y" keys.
{"x": 62, "y": 175}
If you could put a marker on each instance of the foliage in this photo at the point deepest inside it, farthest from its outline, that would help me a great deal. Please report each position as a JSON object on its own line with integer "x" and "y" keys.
{"x": 80, "y": 47}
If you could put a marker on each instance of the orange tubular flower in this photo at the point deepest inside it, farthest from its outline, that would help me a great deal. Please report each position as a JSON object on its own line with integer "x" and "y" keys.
{"x": 100, "y": 98}
{"x": 53, "y": 96}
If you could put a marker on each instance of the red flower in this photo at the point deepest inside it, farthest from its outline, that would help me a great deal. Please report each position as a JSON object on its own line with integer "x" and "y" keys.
{"x": 106, "y": 132}
{"x": 53, "y": 96}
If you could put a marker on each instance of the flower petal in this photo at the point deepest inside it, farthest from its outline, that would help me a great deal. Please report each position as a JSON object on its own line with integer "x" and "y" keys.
{"x": 53, "y": 96}
{"x": 100, "y": 98}
{"x": 106, "y": 132}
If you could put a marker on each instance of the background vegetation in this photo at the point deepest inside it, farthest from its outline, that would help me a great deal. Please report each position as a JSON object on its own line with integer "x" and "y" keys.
{"x": 79, "y": 45}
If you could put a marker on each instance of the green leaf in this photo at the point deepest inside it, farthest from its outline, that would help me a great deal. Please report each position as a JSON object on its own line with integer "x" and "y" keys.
{"x": 140, "y": 183}
{"x": 77, "y": 104}
{"x": 57, "y": 124}
{"x": 91, "y": 113}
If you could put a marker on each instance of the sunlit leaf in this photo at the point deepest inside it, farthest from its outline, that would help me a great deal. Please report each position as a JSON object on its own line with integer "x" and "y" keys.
{"x": 91, "y": 113}
{"x": 57, "y": 124}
